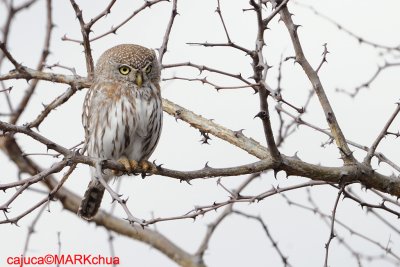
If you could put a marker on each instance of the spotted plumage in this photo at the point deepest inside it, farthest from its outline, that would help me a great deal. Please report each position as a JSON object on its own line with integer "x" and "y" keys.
{"x": 122, "y": 114}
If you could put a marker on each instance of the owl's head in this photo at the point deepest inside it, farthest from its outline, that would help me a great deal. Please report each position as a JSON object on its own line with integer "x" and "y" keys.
{"x": 129, "y": 63}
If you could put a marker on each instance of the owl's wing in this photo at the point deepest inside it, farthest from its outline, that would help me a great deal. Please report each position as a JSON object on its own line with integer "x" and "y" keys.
{"x": 87, "y": 110}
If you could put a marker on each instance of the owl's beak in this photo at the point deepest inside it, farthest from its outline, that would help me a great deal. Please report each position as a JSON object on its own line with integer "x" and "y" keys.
{"x": 139, "y": 79}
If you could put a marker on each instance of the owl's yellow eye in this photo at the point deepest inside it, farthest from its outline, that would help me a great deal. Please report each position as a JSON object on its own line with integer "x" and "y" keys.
{"x": 124, "y": 70}
{"x": 147, "y": 69}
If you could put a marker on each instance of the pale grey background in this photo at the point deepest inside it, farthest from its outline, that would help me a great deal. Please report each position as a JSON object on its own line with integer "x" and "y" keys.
{"x": 238, "y": 242}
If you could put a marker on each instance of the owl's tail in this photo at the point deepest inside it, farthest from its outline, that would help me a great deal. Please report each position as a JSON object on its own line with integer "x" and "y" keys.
{"x": 91, "y": 200}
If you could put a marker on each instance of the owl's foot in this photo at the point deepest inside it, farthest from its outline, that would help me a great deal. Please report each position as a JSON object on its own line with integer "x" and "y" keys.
{"x": 147, "y": 167}
{"x": 130, "y": 165}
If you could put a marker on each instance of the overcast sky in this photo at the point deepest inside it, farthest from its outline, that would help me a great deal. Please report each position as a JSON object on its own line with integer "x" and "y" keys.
{"x": 238, "y": 242}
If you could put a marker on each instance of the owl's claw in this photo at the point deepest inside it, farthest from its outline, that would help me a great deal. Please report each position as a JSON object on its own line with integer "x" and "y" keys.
{"x": 133, "y": 164}
{"x": 130, "y": 165}
{"x": 147, "y": 167}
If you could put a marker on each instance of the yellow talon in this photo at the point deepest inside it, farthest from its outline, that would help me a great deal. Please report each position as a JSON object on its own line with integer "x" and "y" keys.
{"x": 147, "y": 166}
{"x": 133, "y": 164}
{"x": 124, "y": 161}
{"x": 130, "y": 165}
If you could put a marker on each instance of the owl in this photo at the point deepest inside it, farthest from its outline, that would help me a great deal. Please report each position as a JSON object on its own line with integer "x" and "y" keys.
{"x": 122, "y": 115}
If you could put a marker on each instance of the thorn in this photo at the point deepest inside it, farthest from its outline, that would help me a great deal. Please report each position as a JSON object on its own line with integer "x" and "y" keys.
{"x": 275, "y": 173}
{"x": 124, "y": 201}
{"x": 206, "y": 137}
{"x": 296, "y": 156}
{"x": 238, "y": 133}
{"x": 262, "y": 115}
{"x": 50, "y": 146}
{"x": 158, "y": 167}
{"x": 177, "y": 114}
{"x": 206, "y": 166}
{"x": 296, "y": 26}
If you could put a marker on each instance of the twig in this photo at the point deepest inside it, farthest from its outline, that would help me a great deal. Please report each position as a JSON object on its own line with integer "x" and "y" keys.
{"x": 205, "y": 81}
{"x": 45, "y": 52}
{"x": 213, "y": 226}
{"x": 348, "y": 228}
{"x": 267, "y": 20}
{"x": 50, "y": 196}
{"x": 344, "y": 29}
{"x": 106, "y": 11}
{"x": 386, "y": 199}
{"x": 327, "y": 219}
{"x": 58, "y": 65}
{"x": 368, "y": 83}
{"x": 347, "y": 155}
{"x": 201, "y": 210}
{"x": 17, "y": 65}
{"x": 324, "y": 54}
{"x": 116, "y": 197}
{"x": 31, "y": 230}
{"x": 372, "y": 149}
{"x": 73, "y": 80}
{"x": 28, "y": 182}
{"x": 279, "y": 190}
{"x": 12, "y": 12}
{"x": 202, "y": 68}
{"x": 6, "y": 90}
{"x": 113, "y": 30}
{"x": 61, "y": 99}
{"x": 332, "y": 228}
{"x": 260, "y": 68}
{"x": 109, "y": 232}
{"x": 300, "y": 121}
{"x": 218, "y": 10}
{"x": 58, "y": 246}
{"x": 268, "y": 233}
{"x": 85, "y": 31}
{"x": 163, "y": 49}
{"x": 233, "y": 45}
{"x": 382, "y": 206}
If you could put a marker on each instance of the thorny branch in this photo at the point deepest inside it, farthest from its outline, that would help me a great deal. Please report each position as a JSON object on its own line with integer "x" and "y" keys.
{"x": 349, "y": 32}
{"x": 269, "y": 235}
{"x": 163, "y": 48}
{"x": 299, "y": 121}
{"x": 260, "y": 68}
{"x": 328, "y": 220}
{"x": 368, "y": 83}
{"x": 113, "y": 30}
{"x": 267, "y": 159}
{"x": 211, "y": 227}
{"x": 382, "y": 134}
{"x": 85, "y": 31}
{"x": 42, "y": 61}
{"x": 347, "y": 155}
{"x": 332, "y": 230}
{"x": 292, "y": 166}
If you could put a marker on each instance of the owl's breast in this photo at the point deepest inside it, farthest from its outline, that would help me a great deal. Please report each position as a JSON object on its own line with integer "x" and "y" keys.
{"x": 127, "y": 125}
{"x": 148, "y": 127}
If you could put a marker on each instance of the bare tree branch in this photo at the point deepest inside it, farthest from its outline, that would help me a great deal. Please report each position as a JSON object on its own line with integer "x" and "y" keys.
{"x": 332, "y": 230}
{"x": 312, "y": 75}
{"x": 163, "y": 49}
{"x": 42, "y": 61}
{"x": 372, "y": 149}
